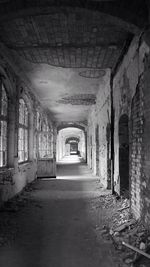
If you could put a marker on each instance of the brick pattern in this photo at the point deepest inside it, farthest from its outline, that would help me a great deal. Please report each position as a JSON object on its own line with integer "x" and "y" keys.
{"x": 136, "y": 13}
{"x": 65, "y": 38}
{"x": 136, "y": 148}
{"x": 145, "y": 178}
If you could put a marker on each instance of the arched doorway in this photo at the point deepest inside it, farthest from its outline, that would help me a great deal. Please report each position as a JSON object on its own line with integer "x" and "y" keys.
{"x": 124, "y": 154}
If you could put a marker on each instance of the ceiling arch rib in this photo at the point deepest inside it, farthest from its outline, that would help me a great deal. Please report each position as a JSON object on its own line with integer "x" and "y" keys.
{"x": 137, "y": 14}
{"x": 66, "y": 38}
{"x": 66, "y": 125}
{"x": 72, "y": 139}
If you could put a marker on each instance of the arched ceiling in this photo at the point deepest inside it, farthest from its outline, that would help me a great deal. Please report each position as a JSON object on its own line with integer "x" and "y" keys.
{"x": 76, "y": 125}
{"x": 70, "y": 38}
{"x": 65, "y": 48}
{"x": 133, "y": 12}
{"x": 71, "y": 133}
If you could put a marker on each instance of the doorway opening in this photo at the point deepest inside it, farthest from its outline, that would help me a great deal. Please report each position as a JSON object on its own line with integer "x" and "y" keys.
{"x": 124, "y": 155}
{"x": 108, "y": 142}
{"x": 97, "y": 148}
{"x": 70, "y": 147}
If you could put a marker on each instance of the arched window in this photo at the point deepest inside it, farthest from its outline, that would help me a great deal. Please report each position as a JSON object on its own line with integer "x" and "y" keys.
{"x": 23, "y": 145}
{"x": 3, "y": 125}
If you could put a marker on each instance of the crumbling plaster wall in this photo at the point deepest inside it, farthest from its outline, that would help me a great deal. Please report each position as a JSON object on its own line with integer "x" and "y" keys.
{"x": 15, "y": 176}
{"x": 129, "y": 98}
{"x": 99, "y": 116}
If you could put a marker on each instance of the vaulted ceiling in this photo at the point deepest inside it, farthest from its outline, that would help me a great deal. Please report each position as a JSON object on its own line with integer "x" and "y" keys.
{"x": 65, "y": 38}
{"x": 66, "y": 47}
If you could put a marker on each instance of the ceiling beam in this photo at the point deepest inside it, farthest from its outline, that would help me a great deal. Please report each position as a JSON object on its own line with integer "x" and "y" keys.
{"x": 112, "y": 18}
{"x": 113, "y": 46}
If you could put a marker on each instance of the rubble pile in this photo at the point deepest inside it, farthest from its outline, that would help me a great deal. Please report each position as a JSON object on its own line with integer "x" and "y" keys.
{"x": 131, "y": 233}
{"x": 128, "y": 236}
{"x": 121, "y": 214}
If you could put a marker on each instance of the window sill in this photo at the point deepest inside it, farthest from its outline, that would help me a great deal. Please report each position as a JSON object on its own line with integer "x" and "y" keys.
{"x": 24, "y": 163}
{"x": 24, "y": 166}
{"x": 40, "y": 159}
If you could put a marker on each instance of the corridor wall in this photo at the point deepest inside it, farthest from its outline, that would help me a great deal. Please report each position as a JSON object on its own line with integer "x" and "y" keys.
{"x": 131, "y": 98}
{"x": 97, "y": 135}
{"x": 19, "y": 141}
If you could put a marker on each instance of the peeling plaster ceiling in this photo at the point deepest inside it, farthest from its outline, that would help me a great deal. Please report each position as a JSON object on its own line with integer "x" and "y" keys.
{"x": 66, "y": 48}
{"x": 63, "y": 91}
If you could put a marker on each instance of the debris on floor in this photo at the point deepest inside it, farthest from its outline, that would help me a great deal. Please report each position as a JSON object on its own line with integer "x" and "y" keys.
{"x": 8, "y": 214}
{"x": 128, "y": 236}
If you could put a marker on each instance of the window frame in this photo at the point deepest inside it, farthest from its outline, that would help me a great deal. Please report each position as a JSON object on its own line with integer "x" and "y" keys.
{"x": 25, "y": 129}
{"x": 37, "y": 129}
{"x": 4, "y": 118}
{"x": 44, "y": 134}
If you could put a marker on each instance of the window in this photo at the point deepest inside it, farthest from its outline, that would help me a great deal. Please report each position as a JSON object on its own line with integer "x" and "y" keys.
{"x": 23, "y": 131}
{"x": 45, "y": 141}
{"x": 3, "y": 126}
{"x": 36, "y": 130}
{"x": 38, "y": 121}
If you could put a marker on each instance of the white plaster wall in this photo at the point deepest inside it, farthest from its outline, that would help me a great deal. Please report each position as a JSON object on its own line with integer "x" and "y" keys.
{"x": 100, "y": 115}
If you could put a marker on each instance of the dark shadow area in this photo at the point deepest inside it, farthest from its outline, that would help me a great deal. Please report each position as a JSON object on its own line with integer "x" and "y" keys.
{"x": 97, "y": 148}
{"x": 124, "y": 155}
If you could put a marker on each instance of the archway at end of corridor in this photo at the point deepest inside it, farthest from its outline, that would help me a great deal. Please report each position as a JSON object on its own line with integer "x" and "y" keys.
{"x": 71, "y": 146}
{"x": 124, "y": 154}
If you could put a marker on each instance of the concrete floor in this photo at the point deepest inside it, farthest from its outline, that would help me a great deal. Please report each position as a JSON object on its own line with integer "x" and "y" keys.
{"x": 57, "y": 229}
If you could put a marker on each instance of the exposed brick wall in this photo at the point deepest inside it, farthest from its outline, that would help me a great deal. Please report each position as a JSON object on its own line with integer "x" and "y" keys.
{"x": 140, "y": 147}
{"x": 136, "y": 148}
{"x": 145, "y": 176}
{"x": 131, "y": 93}
{"x": 124, "y": 87}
